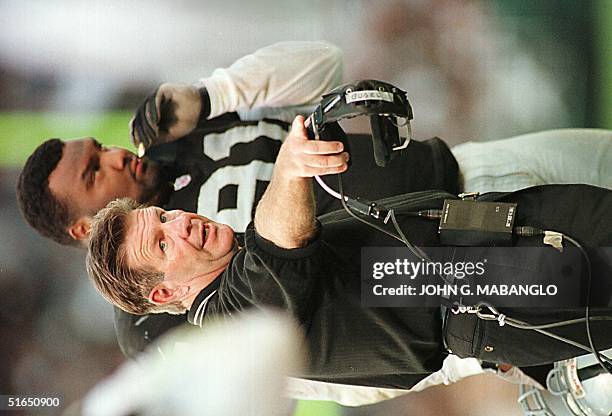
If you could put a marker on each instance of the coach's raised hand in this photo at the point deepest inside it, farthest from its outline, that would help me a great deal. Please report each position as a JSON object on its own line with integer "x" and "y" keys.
{"x": 300, "y": 157}
{"x": 170, "y": 113}
{"x": 286, "y": 213}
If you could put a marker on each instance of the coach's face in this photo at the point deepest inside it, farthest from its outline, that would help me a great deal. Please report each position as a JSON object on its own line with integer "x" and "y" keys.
{"x": 190, "y": 250}
{"x": 89, "y": 175}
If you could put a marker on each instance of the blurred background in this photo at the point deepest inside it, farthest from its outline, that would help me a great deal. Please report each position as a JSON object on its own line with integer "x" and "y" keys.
{"x": 473, "y": 70}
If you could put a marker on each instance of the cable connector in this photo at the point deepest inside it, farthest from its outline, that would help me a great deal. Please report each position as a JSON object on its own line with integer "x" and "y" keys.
{"x": 552, "y": 238}
{"x": 431, "y": 214}
{"x": 364, "y": 207}
{"x": 527, "y": 231}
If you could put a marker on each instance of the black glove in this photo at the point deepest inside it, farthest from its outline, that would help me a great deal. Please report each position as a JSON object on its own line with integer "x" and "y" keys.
{"x": 171, "y": 112}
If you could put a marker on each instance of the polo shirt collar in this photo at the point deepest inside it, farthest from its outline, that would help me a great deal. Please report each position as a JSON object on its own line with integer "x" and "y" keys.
{"x": 198, "y": 308}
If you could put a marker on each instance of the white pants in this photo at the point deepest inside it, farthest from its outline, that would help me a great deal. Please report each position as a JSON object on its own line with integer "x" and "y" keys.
{"x": 547, "y": 157}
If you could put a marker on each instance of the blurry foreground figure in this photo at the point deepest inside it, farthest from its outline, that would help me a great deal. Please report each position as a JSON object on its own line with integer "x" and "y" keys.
{"x": 235, "y": 368}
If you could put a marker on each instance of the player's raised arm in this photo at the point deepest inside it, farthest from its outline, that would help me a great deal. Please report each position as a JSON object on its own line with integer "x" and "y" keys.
{"x": 286, "y": 74}
{"x": 286, "y": 213}
{"x": 279, "y": 75}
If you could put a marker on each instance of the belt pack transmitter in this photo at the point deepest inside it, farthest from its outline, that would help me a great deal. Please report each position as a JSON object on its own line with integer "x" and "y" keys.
{"x": 474, "y": 223}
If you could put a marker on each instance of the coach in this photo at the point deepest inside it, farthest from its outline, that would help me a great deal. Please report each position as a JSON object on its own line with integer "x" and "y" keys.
{"x": 151, "y": 260}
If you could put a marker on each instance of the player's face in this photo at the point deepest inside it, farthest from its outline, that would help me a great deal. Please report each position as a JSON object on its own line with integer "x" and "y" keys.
{"x": 89, "y": 175}
{"x": 186, "y": 247}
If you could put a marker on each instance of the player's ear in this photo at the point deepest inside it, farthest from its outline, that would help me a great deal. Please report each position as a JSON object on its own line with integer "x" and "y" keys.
{"x": 79, "y": 230}
{"x": 161, "y": 294}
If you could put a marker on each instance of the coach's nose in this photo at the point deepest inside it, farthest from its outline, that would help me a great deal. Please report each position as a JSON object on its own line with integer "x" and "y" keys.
{"x": 179, "y": 225}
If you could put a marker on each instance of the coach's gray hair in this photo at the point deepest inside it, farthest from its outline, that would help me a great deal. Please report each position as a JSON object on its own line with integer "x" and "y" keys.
{"x": 121, "y": 285}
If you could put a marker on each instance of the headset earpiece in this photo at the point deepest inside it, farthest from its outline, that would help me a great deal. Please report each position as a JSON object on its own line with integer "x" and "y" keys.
{"x": 384, "y": 136}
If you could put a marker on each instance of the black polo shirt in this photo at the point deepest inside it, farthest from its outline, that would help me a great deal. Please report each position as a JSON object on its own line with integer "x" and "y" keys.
{"x": 320, "y": 286}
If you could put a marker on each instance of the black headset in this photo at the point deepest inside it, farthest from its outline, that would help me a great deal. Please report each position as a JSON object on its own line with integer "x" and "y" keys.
{"x": 383, "y": 102}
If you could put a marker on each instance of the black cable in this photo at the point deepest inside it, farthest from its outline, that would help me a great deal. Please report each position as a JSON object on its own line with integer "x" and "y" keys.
{"x": 401, "y": 237}
{"x": 567, "y": 322}
{"x": 527, "y": 231}
{"x": 587, "y": 313}
{"x": 398, "y": 229}
{"x": 415, "y": 250}
{"x": 505, "y": 320}
{"x": 352, "y": 214}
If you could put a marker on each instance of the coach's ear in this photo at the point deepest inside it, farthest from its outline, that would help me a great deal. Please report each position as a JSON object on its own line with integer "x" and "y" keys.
{"x": 162, "y": 294}
{"x": 79, "y": 230}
